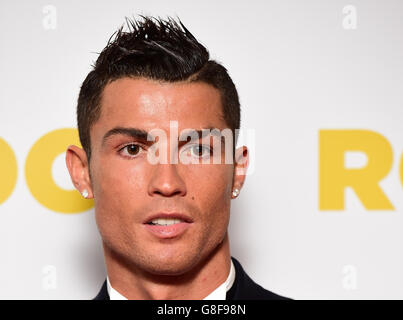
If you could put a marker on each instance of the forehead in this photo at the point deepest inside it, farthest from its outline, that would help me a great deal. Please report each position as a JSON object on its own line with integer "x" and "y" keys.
{"x": 149, "y": 104}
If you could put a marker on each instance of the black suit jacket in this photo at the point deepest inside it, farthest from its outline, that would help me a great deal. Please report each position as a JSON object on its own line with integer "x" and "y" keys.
{"x": 243, "y": 288}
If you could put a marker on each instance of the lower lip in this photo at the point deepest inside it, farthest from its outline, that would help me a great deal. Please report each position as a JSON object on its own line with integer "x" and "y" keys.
{"x": 166, "y": 232}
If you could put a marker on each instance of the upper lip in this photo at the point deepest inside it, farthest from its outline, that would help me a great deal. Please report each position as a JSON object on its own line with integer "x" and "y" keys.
{"x": 166, "y": 215}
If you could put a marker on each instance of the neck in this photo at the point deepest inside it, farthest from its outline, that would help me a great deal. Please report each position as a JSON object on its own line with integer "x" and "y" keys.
{"x": 196, "y": 284}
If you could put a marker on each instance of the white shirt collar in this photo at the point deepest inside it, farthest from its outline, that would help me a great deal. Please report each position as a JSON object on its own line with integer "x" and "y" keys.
{"x": 218, "y": 294}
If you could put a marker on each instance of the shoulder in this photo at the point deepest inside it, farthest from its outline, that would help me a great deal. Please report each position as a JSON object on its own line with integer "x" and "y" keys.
{"x": 103, "y": 293}
{"x": 244, "y": 288}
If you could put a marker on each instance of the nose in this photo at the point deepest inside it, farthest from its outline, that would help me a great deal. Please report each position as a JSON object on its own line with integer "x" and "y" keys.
{"x": 166, "y": 181}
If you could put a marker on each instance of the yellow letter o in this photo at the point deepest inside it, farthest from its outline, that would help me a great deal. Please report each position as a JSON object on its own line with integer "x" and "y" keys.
{"x": 8, "y": 170}
{"x": 401, "y": 170}
{"x": 38, "y": 172}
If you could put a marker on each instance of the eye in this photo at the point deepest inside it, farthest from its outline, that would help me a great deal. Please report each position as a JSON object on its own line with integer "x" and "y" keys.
{"x": 200, "y": 151}
{"x": 131, "y": 150}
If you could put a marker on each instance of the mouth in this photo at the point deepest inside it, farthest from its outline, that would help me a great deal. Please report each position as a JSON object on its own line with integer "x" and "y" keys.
{"x": 165, "y": 219}
{"x": 168, "y": 225}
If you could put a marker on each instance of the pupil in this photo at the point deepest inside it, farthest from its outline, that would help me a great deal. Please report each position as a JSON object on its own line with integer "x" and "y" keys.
{"x": 199, "y": 150}
{"x": 132, "y": 149}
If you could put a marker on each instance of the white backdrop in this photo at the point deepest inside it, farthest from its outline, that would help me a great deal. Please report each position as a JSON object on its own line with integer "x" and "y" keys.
{"x": 299, "y": 66}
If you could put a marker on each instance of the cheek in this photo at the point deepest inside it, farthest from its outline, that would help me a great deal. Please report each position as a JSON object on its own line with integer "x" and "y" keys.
{"x": 117, "y": 178}
{"x": 118, "y": 187}
{"x": 211, "y": 189}
{"x": 214, "y": 179}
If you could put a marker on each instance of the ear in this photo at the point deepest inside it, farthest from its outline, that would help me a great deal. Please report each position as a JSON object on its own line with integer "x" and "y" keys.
{"x": 241, "y": 165}
{"x": 77, "y": 164}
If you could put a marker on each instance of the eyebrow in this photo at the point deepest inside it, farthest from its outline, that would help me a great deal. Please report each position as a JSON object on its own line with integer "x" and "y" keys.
{"x": 140, "y": 134}
{"x": 135, "y": 133}
{"x": 210, "y": 131}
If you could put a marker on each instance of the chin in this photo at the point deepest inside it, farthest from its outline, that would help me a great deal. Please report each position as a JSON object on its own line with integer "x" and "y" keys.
{"x": 170, "y": 264}
{"x": 159, "y": 267}
{"x": 164, "y": 271}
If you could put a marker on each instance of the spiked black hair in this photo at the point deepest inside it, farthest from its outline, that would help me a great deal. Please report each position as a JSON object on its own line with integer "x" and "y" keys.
{"x": 157, "y": 49}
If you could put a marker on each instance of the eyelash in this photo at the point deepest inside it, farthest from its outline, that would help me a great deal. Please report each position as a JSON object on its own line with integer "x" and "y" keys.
{"x": 128, "y": 145}
{"x": 142, "y": 147}
{"x": 202, "y": 146}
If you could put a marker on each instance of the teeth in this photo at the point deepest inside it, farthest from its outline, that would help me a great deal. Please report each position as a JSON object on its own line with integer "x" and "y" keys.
{"x": 165, "y": 222}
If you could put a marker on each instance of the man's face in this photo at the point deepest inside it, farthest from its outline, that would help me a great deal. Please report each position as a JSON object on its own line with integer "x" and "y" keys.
{"x": 128, "y": 189}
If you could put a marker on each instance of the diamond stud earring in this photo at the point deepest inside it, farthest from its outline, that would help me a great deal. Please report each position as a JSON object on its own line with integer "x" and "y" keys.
{"x": 84, "y": 193}
{"x": 235, "y": 193}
